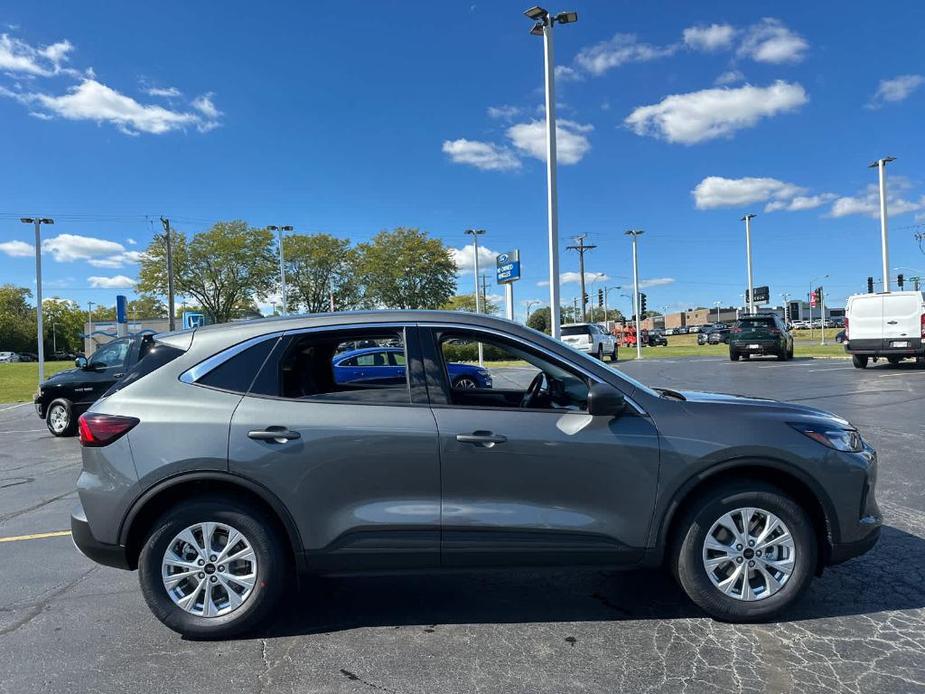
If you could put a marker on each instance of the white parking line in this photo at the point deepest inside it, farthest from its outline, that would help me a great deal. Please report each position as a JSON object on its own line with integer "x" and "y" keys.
{"x": 832, "y": 368}
{"x": 13, "y": 407}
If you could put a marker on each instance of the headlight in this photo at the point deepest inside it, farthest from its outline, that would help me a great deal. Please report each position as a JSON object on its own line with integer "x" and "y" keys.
{"x": 848, "y": 440}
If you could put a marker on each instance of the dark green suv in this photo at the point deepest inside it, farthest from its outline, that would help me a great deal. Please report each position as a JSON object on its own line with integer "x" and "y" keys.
{"x": 760, "y": 335}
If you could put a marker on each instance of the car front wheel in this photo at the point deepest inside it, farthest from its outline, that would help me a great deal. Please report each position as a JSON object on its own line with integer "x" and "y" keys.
{"x": 212, "y": 568}
{"x": 60, "y": 418}
{"x": 733, "y": 356}
{"x": 745, "y": 552}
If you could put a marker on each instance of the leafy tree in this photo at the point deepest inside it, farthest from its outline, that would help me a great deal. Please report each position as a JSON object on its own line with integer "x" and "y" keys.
{"x": 405, "y": 268}
{"x": 146, "y": 307}
{"x": 223, "y": 268}
{"x": 466, "y": 302}
{"x": 316, "y": 266}
{"x": 64, "y": 323}
{"x": 17, "y": 319}
{"x": 539, "y": 320}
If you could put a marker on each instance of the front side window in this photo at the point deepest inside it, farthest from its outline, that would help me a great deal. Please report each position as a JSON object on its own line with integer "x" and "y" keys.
{"x": 112, "y": 354}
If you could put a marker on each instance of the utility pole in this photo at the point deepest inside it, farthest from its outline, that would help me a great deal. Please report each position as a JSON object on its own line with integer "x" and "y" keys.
{"x": 530, "y": 304}
{"x": 748, "y": 259}
{"x": 38, "y": 222}
{"x": 90, "y": 305}
{"x": 282, "y": 266}
{"x": 483, "y": 280}
{"x": 880, "y": 165}
{"x": 475, "y": 233}
{"x": 822, "y": 311}
{"x": 581, "y": 248}
{"x": 171, "y": 318}
{"x": 635, "y": 234}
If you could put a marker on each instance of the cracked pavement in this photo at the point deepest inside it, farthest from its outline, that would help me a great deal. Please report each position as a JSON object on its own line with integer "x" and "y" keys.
{"x": 67, "y": 625}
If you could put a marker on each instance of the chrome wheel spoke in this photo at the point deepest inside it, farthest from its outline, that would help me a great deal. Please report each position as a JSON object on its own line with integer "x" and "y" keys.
{"x": 234, "y": 600}
{"x": 245, "y": 581}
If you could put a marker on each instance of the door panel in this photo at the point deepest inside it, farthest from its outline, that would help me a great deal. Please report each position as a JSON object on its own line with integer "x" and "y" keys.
{"x": 362, "y": 481}
{"x": 563, "y": 488}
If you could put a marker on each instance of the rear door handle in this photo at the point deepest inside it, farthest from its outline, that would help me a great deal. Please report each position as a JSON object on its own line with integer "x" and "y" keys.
{"x": 892, "y": 322}
{"x": 486, "y": 439}
{"x": 274, "y": 434}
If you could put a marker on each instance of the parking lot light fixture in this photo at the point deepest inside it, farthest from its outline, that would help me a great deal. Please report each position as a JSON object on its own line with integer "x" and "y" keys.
{"x": 543, "y": 25}
{"x": 475, "y": 233}
{"x": 748, "y": 260}
{"x": 635, "y": 234}
{"x": 880, "y": 165}
{"x": 282, "y": 266}
{"x": 37, "y": 222}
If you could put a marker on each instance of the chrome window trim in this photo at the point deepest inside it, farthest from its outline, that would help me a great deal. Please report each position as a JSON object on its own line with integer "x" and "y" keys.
{"x": 204, "y": 367}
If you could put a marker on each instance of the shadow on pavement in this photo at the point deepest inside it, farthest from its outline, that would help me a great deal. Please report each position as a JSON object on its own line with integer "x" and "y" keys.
{"x": 881, "y": 581}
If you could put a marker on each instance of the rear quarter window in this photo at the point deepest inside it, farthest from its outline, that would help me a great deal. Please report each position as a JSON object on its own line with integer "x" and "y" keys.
{"x": 155, "y": 357}
{"x": 238, "y": 373}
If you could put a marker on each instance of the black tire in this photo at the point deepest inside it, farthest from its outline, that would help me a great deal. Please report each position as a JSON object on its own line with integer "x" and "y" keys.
{"x": 61, "y": 408}
{"x": 613, "y": 355}
{"x": 782, "y": 355}
{"x": 600, "y": 352}
{"x": 273, "y": 570}
{"x": 859, "y": 361}
{"x": 893, "y": 360}
{"x": 790, "y": 352}
{"x": 687, "y": 557}
{"x": 733, "y": 356}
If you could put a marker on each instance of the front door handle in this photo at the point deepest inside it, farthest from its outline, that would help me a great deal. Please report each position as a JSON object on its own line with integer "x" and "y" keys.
{"x": 486, "y": 439}
{"x": 892, "y": 322}
{"x": 274, "y": 434}
{"x": 118, "y": 375}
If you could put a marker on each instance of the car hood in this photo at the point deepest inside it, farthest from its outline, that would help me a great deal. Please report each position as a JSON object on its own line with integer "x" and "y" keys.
{"x": 694, "y": 397}
{"x": 60, "y": 376}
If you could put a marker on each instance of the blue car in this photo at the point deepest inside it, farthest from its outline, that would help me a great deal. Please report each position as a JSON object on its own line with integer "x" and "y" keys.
{"x": 387, "y": 365}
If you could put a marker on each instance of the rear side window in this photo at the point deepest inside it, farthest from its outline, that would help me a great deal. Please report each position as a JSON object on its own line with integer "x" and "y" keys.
{"x": 576, "y": 330}
{"x": 238, "y": 373}
{"x": 156, "y": 356}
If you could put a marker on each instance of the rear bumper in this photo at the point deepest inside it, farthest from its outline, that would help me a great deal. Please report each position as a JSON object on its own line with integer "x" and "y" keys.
{"x": 756, "y": 347}
{"x": 915, "y": 347}
{"x": 90, "y": 547}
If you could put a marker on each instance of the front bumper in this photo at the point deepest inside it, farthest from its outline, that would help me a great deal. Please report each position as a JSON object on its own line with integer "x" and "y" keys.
{"x": 90, "y": 547}
{"x": 848, "y": 550}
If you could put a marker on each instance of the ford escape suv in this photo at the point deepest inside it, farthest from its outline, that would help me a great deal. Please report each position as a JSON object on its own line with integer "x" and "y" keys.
{"x": 233, "y": 456}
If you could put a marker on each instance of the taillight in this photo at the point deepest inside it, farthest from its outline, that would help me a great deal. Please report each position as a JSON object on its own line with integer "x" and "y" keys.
{"x": 846, "y": 327}
{"x": 736, "y": 330}
{"x": 102, "y": 429}
{"x": 923, "y": 326}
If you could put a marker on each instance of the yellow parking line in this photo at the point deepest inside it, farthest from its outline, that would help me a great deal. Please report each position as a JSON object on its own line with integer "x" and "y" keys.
{"x": 36, "y": 536}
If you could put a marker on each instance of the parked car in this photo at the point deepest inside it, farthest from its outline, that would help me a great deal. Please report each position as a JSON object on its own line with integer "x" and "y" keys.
{"x": 888, "y": 325}
{"x": 762, "y": 334}
{"x": 656, "y": 338}
{"x": 236, "y": 458}
{"x": 65, "y": 356}
{"x": 379, "y": 365}
{"x": 719, "y": 336}
{"x": 691, "y": 329}
{"x": 669, "y": 332}
{"x": 800, "y": 324}
{"x": 840, "y": 337}
{"x": 683, "y": 330}
{"x": 8, "y": 357}
{"x": 28, "y": 356}
{"x": 590, "y": 338}
{"x": 838, "y": 322}
{"x": 63, "y": 397}
{"x": 703, "y": 336}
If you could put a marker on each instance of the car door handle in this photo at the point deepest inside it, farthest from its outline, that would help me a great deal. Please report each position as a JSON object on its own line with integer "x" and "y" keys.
{"x": 118, "y": 375}
{"x": 274, "y": 434}
{"x": 481, "y": 438}
{"x": 892, "y": 322}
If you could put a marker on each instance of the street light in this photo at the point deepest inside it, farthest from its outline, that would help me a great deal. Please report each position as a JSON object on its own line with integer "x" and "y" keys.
{"x": 475, "y": 233}
{"x": 635, "y": 234}
{"x": 282, "y": 267}
{"x": 916, "y": 279}
{"x": 606, "y": 291}
{"x": 543, "y": 25}
{"x": 530, "y": 305}
{"x": 38, "y": 222}
{"x": 748, "y": 259}
{"x": 880, "y": 165}
{"x": 717, "y": 304}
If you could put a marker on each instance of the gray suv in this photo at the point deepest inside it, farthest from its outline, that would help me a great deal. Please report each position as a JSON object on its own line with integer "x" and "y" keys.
{"x": 233, "y": 456}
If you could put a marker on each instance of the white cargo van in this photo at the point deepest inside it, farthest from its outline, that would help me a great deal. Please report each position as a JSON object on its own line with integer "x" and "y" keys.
{"x": 890, "y": 325}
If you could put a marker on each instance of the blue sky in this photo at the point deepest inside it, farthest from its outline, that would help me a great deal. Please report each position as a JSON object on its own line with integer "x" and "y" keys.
{"x": 353, "y": 117}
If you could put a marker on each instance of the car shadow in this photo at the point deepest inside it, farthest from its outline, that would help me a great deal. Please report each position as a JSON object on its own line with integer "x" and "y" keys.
{"x": 879, "y": 581}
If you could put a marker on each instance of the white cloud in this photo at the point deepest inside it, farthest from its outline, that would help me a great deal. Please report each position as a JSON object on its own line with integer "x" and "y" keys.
{"x": 769, "y": 41}
{"x": 465, "y": 259}
{"x": 894, "y": 90}
{"x": 571, "y": 141}
{"x": 867, "y": 202}
{"x": 17, "y": 249}
{"x": 800, "y": 202}
{"x": 117, "y": 260}
{"x": 699, "y": 116}
{"x": 729, "y": 77}
{"x": 18, "y": 57}
{"x": 115, "y": 282}
{"x": 504, "y": 112}
{"x": 165, "y": 92}
{"x": 206, "y": 107}
{"x": 716, "y": 191}
{"x": 621, "y": 49}
{"x": 565, "y": 73}
{"x": 130, "y": 241}
{"x": 66, "y": 248}
{"x": 655, "y": 282}
{"x": 715, "y": 37}
{"x": 482, "y": 155}
{"x": 575, "y": 278}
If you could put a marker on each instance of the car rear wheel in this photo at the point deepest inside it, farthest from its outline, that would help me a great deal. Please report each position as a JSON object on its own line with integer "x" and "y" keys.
{"x": 733, "y": 356}
{"x": 60, "y": 418}
{"x": 745, "y": 552}
{"x": 465, "y": 383}
{"x": 893, "y": 360}
{"x": 613, "y": 355}
{"x": 212, "y": 568}
{"x": 859, "y": 361}
{"x": 600, "y": 352}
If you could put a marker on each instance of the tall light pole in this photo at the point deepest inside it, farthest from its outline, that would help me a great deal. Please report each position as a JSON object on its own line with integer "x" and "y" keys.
{"x": 786, "y": 297}
{"x": 748, "y": 259}
{"x": 282, "y": 267}
{"x": 606, "y": 304}
{"x": 475, "y": 233}
{"x": 635, "y": 234}
{"x": 880, "y": 165}
{"x": 90, "y": 305}
{"x": 543, "y": 25}
{"x": 717, "y": 304}
{"x": 38, "y": 222}
{"x": 530, "y": 305}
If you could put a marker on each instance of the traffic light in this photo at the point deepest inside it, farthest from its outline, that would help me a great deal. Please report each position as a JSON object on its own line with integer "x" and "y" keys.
{"x": 585, "y": 298}
{"x": 900, "y": 280}
{"x": 600, "y": 298}
{"x": 818, "y": 294}
{"x": 642, "y": 304}
{"x": 870, "y": 285}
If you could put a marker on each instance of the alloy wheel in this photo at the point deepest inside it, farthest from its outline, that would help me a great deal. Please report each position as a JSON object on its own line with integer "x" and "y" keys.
{"x": 209, "y": 569}
{"x": 749, "y": 554}
{"x": 58, "y": 418}
{"x": 466, "y": 383}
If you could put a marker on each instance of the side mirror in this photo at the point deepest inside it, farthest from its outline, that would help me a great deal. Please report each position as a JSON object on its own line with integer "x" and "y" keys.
{"x": 605, "y": 400}
{"x": 80, "y": 362}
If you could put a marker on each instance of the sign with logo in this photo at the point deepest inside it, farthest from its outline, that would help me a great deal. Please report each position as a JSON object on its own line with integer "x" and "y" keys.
{"x": 193, "y": 320}
{"x": 508, "y": 267}
{"x": 762, "y": 295}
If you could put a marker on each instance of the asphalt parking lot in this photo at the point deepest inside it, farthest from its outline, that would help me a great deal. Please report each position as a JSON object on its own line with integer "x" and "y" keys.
{"x": 69, "y": 625}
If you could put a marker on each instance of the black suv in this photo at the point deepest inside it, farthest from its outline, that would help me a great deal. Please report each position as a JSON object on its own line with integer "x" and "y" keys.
{"x": 760, "y": 335}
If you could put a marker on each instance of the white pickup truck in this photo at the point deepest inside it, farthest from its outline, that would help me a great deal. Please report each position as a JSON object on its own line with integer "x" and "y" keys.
{"x": 888, "y": 325}
{"x": 590, "y": 338}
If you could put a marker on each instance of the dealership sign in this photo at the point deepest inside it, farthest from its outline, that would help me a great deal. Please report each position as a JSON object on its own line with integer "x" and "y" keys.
{"x": 508, "y": 267}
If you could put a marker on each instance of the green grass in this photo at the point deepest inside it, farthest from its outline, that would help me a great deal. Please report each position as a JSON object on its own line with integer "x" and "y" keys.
{"x": 19, "y": 381}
